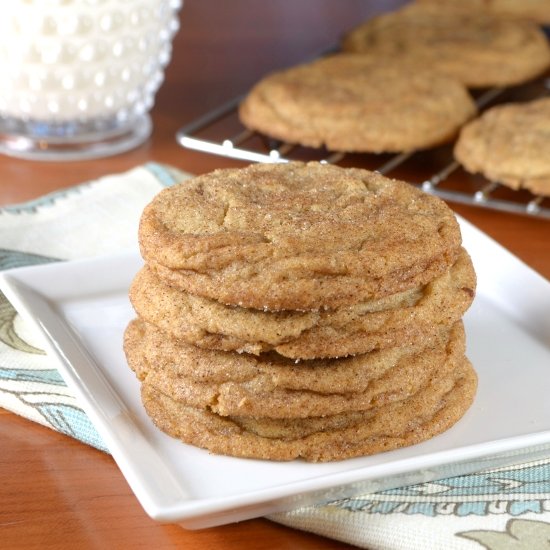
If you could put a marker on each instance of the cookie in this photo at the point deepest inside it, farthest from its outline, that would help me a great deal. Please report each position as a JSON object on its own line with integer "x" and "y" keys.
{"x": 510, "y": 144}
{"x": 478, "y": 49}
{"x": 441, "y": 379}
{"x": 356, "y": 329}
{"x": 269, "y": 386}
{"x": 358, "y": 104}
{"x": 535, "y": 10}
{"x": 297, "y": 236}
{"x": 429, "y": 412}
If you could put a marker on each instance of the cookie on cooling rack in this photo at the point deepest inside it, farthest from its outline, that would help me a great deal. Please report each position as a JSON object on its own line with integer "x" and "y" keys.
{"x": 358, "y": 104}
{"x": 432, "y": 410}
{"x": 535, "y": 10}
{"x": 360, "y": 328}
{"x": 297, "y": 236}
{"x": 478, "y": 49}
{"x": 510, "y": 144}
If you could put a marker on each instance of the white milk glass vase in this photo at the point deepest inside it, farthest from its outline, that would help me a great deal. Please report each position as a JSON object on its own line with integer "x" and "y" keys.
{"x": 79, "y": 77}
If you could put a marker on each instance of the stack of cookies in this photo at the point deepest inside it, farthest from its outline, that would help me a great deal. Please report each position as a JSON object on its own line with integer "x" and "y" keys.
{"x": 301, "y": 311}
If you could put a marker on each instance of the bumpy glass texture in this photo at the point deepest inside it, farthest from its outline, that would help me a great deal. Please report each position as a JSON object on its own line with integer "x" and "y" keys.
{"x": 73, "y": 66}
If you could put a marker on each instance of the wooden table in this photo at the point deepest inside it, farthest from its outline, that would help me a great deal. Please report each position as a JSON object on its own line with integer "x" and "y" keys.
{"x": 58, "y": 493}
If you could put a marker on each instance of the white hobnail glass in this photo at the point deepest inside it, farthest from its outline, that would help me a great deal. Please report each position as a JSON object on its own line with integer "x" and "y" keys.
{"x": 79, "y": 77}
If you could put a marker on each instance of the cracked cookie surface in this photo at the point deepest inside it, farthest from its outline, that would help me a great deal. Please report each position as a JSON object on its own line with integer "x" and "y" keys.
{"x": 273, "y": 387}
{"x": 432, "y": 410}
{"x": 510, "y": 144}
{"x": 477, "y": 49}
{"x": 358, "y": 103}
{"x": 360, "y": 328}
{"x": 297, "y": 236}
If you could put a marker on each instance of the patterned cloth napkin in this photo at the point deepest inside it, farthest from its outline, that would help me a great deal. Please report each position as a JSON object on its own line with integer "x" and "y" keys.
{"x": 500, "y": 509}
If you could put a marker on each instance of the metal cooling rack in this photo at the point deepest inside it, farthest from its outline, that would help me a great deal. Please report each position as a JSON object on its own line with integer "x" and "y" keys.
{"x": 445, "y": 177}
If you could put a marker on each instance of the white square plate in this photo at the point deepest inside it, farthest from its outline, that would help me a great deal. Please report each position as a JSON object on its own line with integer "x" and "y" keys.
{"x": 81, "y": 307}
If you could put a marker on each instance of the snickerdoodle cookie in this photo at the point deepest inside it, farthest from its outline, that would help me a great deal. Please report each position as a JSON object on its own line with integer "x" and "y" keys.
{"x": 359, "y": 328}
{"x": 478, "y": 49}
{"x": 432, "y": 410}
{"x": 297, "y": 236}
{"x": 358, "y": 103}
{"x": 510, "y": 144}
{"x": 269, "y": 386}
